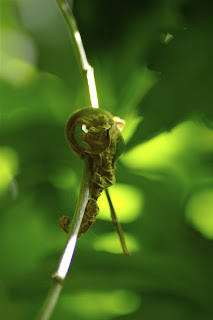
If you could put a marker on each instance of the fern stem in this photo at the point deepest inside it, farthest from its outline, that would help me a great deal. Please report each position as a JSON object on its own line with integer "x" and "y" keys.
{"x": 66, "y": 259}
{"x": 86, "y": 68}
{"x": 117, "y": 224}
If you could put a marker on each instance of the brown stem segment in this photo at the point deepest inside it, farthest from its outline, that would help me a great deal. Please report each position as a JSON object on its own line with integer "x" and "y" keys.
{"x": 117, "y": 224}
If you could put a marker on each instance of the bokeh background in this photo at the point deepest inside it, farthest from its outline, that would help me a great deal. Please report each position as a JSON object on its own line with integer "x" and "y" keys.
{"x": 153, "y": 66}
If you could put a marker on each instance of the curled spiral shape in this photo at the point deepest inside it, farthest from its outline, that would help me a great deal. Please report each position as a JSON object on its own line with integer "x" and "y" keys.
{"x": 94, "y": 132}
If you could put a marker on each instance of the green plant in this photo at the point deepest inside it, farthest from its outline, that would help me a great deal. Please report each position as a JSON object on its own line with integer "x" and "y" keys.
{"x": 153, "y": 68}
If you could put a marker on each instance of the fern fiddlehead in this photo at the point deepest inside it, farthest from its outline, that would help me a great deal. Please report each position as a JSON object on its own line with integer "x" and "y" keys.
{"x": 96, "y": 133}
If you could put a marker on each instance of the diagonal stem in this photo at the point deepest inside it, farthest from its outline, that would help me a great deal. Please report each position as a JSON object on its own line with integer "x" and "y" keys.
{"x": 76, "y": 222}
{"x": 66, "y": 259}
{"x": 86, "y": 68}
{"x": 117, "y": 224}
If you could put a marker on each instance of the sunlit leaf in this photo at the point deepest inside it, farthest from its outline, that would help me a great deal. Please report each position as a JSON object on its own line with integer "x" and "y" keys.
{"x": 109, "y": 242}
{"x": 128, "y": 202}
{"x": 199, "y": 212}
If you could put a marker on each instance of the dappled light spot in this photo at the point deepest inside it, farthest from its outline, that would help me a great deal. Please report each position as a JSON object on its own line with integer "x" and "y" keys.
{"x": 8, "y": 169}
{"x": 155, "y": 153}
{"x": 110, "y": 243}
{"x": 100, "y": 305}
{"x": 17, "y": 45}
{"x": 168, "y": 149}
{"x": 199, "y": 212}
{"x": 128, "y": 202}
{"x": 16, "y": 71}
{"x": 18, "y": 56}
{"x": 38, "y": 20}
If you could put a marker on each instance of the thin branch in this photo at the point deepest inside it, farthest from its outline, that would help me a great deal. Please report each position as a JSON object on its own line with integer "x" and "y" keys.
{"x": 66, "y": 259}
{"x": 76, "y": 222}
{"x": 51, "y": 300}
{"x": 88, "y": 72}
{"x": 117, "y": 224}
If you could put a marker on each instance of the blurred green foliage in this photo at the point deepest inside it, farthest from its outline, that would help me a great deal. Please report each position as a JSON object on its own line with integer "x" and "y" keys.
{"x": 153, "y": 66}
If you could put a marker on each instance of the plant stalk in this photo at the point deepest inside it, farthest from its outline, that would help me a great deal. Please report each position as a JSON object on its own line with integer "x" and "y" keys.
{"x": 66, "y": 259}
{"x": 86, "y": 68}
{"x": 117, "y": 224}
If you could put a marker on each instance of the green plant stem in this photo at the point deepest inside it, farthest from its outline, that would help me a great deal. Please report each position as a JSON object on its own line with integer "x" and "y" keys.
{"x": 51, "y": 300}
{"x": 117, "y": 224}
{"x": 86, "y": 68}
{"x": 66, "y": 259}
